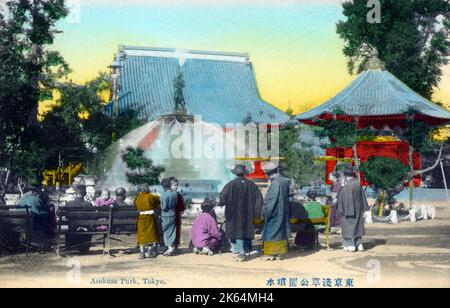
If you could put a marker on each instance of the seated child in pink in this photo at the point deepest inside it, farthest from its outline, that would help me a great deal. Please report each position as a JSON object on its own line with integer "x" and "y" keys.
{"x": 205, "y": 234}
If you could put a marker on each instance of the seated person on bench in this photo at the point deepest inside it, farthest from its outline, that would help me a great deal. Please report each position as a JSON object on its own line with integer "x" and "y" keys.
{"x": 82, "y": 242}
{"x": 38, "y": 203}
{"x": 7, "y": 239}
{"x": 121, "y": 196}
{"x": 307, "y": 235}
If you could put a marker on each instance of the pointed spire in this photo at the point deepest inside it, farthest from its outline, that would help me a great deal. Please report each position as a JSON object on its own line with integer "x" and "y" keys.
{"x": 290, "y": 111}
{"x": 374, "y": 62}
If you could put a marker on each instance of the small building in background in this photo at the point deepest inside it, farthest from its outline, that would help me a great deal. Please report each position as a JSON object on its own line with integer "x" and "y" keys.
{"x": 380, "y": 101}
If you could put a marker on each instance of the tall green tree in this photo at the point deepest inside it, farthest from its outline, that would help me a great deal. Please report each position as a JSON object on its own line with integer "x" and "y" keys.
{"x": 29, "y": 70}
{"x": 300, "y": 163}
{"x": 412, "y": 39}
{"x": 77, "y": 130}
{"x": 142, "y": 169}
{"x": 376, "y": 169}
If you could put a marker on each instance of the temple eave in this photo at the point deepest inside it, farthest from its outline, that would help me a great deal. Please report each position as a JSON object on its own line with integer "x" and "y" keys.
{"x": 367, "y": 120}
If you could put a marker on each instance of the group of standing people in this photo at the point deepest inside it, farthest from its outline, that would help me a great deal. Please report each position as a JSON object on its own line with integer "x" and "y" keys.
{"x": 245, "y": 206}
{"x": 159, "y": 220}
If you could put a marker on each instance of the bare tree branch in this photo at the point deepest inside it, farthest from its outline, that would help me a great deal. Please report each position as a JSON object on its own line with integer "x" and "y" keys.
{"x": 436, "y": 164}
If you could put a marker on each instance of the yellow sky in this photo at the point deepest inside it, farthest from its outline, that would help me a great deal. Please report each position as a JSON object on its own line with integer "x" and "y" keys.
{"x": 293, "y": 44}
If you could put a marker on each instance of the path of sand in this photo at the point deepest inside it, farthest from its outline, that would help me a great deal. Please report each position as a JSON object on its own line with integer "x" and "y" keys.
{"x": 410, "y": 255}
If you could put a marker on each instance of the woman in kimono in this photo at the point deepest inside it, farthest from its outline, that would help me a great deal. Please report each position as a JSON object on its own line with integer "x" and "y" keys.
{"x": 277, "y": 230}
{"x": 147, "y": 231}
{"x": 205, "y": 234}
{"x": 169, "y": 205}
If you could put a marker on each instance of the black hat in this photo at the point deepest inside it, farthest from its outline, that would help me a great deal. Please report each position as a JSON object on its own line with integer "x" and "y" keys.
{"x": 349, "y": 171}
{"x": 240, "y": 170}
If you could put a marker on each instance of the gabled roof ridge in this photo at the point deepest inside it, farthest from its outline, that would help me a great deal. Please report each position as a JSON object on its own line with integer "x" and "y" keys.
{"x": 188, "y": 51}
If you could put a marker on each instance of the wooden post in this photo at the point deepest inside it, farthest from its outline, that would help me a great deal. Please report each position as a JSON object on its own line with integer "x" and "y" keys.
{"x": 355, "y": 148}
{"x": 411, "y": 194}
{"x": 381, "y": 203}
{"x": 445, "y": 183}
{"x": 70, "y": 175}
{"x": 411, "y": 166}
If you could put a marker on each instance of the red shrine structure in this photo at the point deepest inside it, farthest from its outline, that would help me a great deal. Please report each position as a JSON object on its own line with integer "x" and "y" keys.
{"x": 380, "y": 101}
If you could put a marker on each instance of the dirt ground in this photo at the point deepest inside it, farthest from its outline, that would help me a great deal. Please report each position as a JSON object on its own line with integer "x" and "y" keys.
{"x": 404, "y": 255}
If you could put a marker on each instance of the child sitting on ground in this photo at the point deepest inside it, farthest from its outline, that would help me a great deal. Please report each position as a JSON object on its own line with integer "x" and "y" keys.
{"x": 205, "y": 234}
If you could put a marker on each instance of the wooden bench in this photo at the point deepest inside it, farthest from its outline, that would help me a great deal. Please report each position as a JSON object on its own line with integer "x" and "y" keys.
{"x": 17, "y": 220}
{"x": 86, "y": 220}
{"x": 119, "y": 220}
{"x": 124, "y": 222}
{"x": 325, "y": 221}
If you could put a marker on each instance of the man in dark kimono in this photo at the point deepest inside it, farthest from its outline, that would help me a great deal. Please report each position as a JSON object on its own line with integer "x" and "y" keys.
{"x": 277, "y": 230}
{"x": 243, "y": 204}
{"x": 352, "y": 204}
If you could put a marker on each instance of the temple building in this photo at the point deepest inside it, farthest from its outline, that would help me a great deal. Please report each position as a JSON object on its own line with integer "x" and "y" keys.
{"x": 219, "y": 86}
{"x": 380, "y": 101}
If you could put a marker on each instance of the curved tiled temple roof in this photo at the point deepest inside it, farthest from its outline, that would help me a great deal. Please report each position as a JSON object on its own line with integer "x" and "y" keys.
{"x": 377, "y": 92}
{"x": 221, "y": 87}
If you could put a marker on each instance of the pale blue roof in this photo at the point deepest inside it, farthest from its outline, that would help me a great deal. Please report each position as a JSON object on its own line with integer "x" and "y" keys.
{"x": 377, "y": 93}
{"x": 218, "y": 87}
